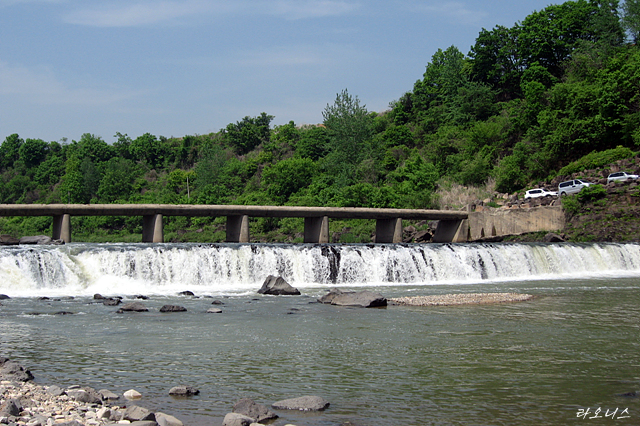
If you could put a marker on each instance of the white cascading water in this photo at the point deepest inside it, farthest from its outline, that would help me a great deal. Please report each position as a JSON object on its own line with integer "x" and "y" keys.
{"x": 84, "y": 269}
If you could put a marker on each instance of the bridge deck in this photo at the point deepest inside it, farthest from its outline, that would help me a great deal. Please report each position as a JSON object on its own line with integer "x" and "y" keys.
{"x": 224, "y": 210}
{"x": 316, "y": 227}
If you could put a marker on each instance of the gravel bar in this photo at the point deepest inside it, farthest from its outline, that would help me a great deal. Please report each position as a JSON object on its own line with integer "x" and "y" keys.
{"x": 460, "y": 299}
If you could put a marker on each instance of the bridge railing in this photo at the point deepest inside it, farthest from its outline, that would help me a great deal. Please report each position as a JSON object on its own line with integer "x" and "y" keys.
{"x": 316, "y": 219}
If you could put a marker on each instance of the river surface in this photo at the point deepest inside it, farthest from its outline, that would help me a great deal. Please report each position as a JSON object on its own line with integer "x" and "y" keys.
{"x": 574, "y": 347}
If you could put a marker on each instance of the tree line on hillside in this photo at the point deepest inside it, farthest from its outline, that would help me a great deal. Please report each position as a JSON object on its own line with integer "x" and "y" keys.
{"x": 521, "y": 104}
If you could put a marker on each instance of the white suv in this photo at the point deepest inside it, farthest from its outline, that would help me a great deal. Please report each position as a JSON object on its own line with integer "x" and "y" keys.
{"x": 572, "y": 187}
{"x": 621, "y": 177}
{"x": 539, "y": 192}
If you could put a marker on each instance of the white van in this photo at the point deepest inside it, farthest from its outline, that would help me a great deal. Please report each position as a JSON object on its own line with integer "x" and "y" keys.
{"x": 572, "y": 187}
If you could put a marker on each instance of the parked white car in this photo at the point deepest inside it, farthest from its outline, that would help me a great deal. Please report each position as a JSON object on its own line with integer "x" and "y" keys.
{"x": 572, "y": 187}
{"x": 621, "y": 177}
{"x": 539, "y": 192}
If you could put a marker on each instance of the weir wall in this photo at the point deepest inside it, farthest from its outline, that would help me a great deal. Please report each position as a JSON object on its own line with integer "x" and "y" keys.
{"x": 499, "y": 222}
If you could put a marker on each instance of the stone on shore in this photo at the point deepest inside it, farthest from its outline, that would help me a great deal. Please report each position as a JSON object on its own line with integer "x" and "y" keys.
{"x": 183, "y": 390}
{"x": 363, "y": 299}
{"x": 86, "y": 394}
{"x": 4, "y": 297}
{"x": 214, "y": 311}
{"x": 134, "y": 413}
{"x": 55, "y": 391}
{"x": 107, "y": 395}
{"x": 132, "y": 307}
{"x": 303, "y": 403}
{"x": 11, "y": 407}
{"x": 173, "y": 308}
{"x": 166, "y": 420}
{"x": 277, "y": 286}
{"x": 237, "y": 419}
{"x": 250, "y": 408}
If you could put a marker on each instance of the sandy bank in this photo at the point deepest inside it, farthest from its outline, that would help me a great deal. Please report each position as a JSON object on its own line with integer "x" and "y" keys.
{"x": 460, "y": 299}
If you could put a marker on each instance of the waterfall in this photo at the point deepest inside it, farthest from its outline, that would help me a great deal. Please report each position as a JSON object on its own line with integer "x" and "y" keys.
{"x": 84, "y": 269}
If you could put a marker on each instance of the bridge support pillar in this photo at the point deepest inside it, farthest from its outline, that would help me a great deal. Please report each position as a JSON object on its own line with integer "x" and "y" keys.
{"x": 62, "y": 227}
{"x": 316, "y": 229}
{"x": 451, "y": 231}
{"x": 238, "y": 229}
{"x": 152, "y": 229}
{"x": 389, "y": 230}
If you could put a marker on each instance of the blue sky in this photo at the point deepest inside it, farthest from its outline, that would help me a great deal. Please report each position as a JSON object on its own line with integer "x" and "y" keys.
{"x": 176, "y": 68}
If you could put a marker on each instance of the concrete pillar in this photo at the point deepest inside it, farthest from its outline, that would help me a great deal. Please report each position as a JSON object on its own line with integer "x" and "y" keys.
{"x": 451, "y": 231}
{"x": 389, "y": 230}
{"x": 238, "y": 229}
{"x": 62, "y": 227}
{"x": 152, "y": 229}
{"x": 316, "y": 229}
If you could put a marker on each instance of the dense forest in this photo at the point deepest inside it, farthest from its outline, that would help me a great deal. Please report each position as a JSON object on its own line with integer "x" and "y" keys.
{"x": 523, "y": 103}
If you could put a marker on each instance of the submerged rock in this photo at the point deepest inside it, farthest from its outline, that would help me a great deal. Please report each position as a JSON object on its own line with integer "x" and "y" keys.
{"x": 183, "y": 390}
{"x": 173, "y": 308}
{"x": 132, "y": 307}
{"x": 277, "y": 286}
{"x": 363, "y": 299}
{"x": 303, "y": 403}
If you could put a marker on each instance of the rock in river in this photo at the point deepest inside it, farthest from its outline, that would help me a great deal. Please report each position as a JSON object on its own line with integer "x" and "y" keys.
{"x": 277, "y": 286}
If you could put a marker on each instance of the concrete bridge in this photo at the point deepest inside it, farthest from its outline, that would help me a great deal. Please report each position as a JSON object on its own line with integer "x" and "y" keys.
{"x": 316, "y": 219}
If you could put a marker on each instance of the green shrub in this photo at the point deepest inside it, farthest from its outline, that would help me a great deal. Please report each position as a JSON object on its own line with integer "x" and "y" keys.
{"x": 597, "y": 159}
{"x": 592, "y": 193}
{"x": 570, "y": 204}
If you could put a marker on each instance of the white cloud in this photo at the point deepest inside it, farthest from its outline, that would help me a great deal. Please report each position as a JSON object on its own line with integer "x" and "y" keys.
{"x": 454, "y": 11}
{"x": 132, "y": 14}
{"x": 41, "y": 87}
{"x": 296, "y": 9}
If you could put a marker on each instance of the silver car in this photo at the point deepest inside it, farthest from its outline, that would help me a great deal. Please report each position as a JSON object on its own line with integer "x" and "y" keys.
{"x": 621, "y": 177}
{"x": 572, "y": 187}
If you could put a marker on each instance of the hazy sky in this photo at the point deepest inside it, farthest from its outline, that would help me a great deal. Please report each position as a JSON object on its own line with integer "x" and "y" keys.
{"x": 176, "y": 68}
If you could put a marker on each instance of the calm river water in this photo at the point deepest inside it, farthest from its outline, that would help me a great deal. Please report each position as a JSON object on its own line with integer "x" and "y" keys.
{"x": 574, "y": 347}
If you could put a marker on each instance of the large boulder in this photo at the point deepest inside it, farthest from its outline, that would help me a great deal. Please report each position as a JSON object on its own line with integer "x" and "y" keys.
{"x": 277, "y": 286}
{"x": 303, "y": 403}
{"x": 250, "y": 408}
{"x": 363, "y": 299}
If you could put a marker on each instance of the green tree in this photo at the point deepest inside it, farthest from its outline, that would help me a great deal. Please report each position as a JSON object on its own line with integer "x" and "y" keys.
{"x": 146, "y": 148}
{"x": 9, "y": 150}
{"x": 32, "y": 152}
{"x": 631, "y": 19}
{"x": 287, "y": 177}
{"x": 349, "y": 128}
{"x": 93, "y": 147}
{"x": 117, "y": 182}
{"x": 245, "y": 135}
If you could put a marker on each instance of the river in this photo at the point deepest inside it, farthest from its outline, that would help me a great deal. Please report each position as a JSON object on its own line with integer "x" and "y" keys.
{"x": 574, "y": 347}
